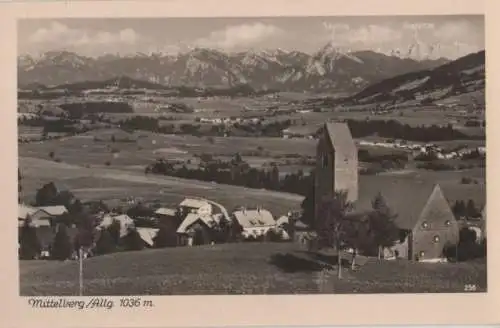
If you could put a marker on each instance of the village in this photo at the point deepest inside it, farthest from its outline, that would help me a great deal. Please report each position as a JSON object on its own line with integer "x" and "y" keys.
{"x": 424, "y": 230}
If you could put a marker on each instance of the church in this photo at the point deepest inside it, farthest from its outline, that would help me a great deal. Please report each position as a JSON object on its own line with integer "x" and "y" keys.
{"x": 424, "y": 217}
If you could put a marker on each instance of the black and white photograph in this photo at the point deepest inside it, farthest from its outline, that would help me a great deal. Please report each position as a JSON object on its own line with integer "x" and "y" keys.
{"x": 251, "y": 156}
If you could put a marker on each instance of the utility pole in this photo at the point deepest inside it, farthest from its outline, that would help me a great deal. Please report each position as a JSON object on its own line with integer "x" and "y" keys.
{"x": 80, "y": 278}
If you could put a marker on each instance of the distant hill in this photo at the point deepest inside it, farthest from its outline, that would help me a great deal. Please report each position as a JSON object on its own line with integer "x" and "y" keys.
{"x": 328, "y": 69}
{"x": 461, "y": 76}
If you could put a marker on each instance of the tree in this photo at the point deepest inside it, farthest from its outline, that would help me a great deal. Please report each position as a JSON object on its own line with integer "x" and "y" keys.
{"x": 330, "y": 226}
{"x": 459, "y": 209}
{"x": 29, "y": 245}
{"x": 62, "y": 248}
{"x": 114, "y": 230}
{"x": 471, "y": 210}
{"x": 275, "y": 177}
{"x": 165, "y": 237}
{"x": 356, "y": 230}
{"x": 46, "y": 195}
{"x": 307, "y": 206}
{"x": 133, "y": 241}
{"x": 86, "y": 226}
{"x": 383, "y": 231}
{"x": 105, "y": 244}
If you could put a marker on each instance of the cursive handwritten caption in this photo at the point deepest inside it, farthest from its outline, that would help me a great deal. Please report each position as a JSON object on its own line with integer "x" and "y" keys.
{"x": 92, "y": 303}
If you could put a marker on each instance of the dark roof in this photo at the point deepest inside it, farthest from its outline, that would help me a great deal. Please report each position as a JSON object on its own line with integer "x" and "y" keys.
{"x": 405, "y": 196}
{"x": 340, "y": 137}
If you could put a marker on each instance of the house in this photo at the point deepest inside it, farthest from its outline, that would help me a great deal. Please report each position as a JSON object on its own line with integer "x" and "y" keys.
{"x": 255, "y": 222}
{"x": 41, "y": 216}
{"x": 124, "y": 220}
{"x": 168, "y": 217}
{"x": 423, "y": 215}
{"x": 52, "y": 213}
{"x": 24, "y": 212}
{"x": 194, "y": 205}
{"x": 196, "y": 229}
{"x": 164, "y": 212}
{"x": 336, "y": 163}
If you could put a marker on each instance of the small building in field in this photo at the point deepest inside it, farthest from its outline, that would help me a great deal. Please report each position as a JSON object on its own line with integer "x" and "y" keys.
{"x": 254, "y": 222}
{"x": 423, "y": 215}
{"x": 197, "y": 229}
{"x": 194, "y": 205}
{"x": 336, "y": 163}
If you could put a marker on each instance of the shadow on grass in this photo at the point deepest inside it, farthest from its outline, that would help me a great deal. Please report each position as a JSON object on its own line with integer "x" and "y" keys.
{"x": 326, "y": 259}
{"x": 304, "y": 262}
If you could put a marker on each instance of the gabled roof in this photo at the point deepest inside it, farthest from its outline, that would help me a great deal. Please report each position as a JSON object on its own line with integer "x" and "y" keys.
{"x": 193, "y": 203}
{"x": 282, "y": 220}
{"x": 254, "y": 218}
{"x": 147, "y": 234}
{"x": 25, "y": 210}
{"x": 340, "y": 137}
{"x": 124, "y": 220}
{"x": 406, "y": 197}
{"x": 166, "y": 211}
{"x": 54, "y": 210}
{"x": 191, "y": 218}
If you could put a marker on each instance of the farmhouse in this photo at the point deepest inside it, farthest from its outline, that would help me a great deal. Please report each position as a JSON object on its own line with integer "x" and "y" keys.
{"x": 423, "y": 215}
{"x": 255, "y": 222}
{"x": 124, "y": 220}
{"x": 164, "y": 212}
{"x": 40, "y": 217}
{"x": 196, "y": 229}
{"x": 193, "y": 205}
{"x": 336, "y": 163}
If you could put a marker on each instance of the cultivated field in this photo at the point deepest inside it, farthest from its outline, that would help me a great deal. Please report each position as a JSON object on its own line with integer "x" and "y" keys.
{"x": 249, "y": 268}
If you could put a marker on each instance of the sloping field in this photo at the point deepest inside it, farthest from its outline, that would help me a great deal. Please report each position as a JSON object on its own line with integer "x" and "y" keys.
{"x": 111, "y": 184}
{"x": 248, "y": 268}
{"x": 144, "y": 147}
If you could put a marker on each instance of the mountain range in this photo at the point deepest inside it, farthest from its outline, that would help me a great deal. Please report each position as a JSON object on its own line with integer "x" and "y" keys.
{"x": 466, "y": 75}
{"x": 328, "y": 69}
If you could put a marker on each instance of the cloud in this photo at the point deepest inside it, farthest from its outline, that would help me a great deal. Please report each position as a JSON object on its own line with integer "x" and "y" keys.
{"x": 344, "y": 35}
{"x": 238, "y": 36}
{"x": 418, "y": 26}
{"x": 60, "y": 36}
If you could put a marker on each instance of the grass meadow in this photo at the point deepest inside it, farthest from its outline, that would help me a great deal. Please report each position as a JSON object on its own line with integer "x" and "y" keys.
{"x": 246, "y": 268}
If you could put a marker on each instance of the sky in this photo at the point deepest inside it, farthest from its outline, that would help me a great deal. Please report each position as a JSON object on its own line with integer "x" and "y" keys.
{"x": 418, "y": 37}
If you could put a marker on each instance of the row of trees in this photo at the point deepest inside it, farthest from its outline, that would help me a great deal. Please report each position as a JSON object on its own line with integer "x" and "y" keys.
{"x": 236, "y": 172}
{"x": 394, "y": 129}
